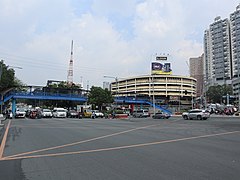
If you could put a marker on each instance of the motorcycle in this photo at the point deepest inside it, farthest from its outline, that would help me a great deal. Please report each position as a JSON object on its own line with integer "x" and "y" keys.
{"x": 33, "y": 114}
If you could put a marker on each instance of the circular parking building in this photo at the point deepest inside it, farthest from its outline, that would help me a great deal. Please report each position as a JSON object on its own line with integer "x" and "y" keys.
{"x": 169, "y": 90}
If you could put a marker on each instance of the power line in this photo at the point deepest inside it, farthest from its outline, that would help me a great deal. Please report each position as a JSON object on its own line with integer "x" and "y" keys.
{"x": 40, "y": 63}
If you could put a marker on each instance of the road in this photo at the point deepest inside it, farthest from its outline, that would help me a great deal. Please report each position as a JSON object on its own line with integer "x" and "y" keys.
{"x": 152, "y": 149}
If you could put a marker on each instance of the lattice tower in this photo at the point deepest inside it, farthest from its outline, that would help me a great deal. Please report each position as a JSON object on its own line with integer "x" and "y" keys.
{"x": 70, "y": 68}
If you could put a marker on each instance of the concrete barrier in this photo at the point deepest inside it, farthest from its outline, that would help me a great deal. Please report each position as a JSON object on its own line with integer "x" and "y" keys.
{"x": 119, "y": 116}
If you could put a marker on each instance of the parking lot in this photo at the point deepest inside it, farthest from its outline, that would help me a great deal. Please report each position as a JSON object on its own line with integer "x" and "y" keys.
{"x": 134, "y": 148}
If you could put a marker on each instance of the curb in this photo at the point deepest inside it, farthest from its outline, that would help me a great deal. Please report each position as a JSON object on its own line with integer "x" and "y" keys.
{"x": 2, "y": 129}
{"x": 224, "y": 116}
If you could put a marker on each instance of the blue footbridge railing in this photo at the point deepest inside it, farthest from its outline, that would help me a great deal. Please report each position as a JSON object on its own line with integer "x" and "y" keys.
{"x": 13, "y": 95}
{"x": 42, "y": 96}
{"x": 75, "y": 97}
{"x": 141, "y": 101}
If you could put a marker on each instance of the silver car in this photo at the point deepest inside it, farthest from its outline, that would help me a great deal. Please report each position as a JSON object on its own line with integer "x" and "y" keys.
{"x": 198, "y": 114}
{"x": 141, "y": 113}
{"x": 47, "y": 113}
{"x": 161, "y": 115}
{"x": 20, "y": 113}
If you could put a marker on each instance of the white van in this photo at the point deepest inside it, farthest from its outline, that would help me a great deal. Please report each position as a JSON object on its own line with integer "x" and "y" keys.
{"x": 59, "y": 112}
{"x": 141, "y": 113}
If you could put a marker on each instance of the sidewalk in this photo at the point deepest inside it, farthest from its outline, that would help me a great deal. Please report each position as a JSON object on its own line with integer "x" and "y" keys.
{"x": 2, "y": 126}
{"x": 212, "y": 115}
{"x": 224, "y": 116}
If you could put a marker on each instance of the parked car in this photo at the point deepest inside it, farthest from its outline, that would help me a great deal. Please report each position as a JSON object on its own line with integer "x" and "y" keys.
{"x": 72, "y": 114}
{"x": 59, "y": 112}
{"x": 198, "y": 114}
{"x": 96, "y": 114}
{"x": 141, "y": 113}
{"x": 87, "y": 113}
{"x": 47, "y": 113}
{"x": 161, "y": 115}
{"x": 20, "y": 113}
{"x": 237, "y": 113}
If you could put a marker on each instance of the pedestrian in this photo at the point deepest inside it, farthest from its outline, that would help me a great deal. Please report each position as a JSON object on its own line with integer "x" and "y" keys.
{"x": 93, "y": 115}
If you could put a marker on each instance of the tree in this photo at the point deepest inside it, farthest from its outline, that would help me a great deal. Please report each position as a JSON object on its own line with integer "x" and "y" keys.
{"x": 215, "y": 93}
{"x": 62, "y": 88}
{"x": 8, "y": 79}
{"x": 227, "y": 89}
{"x": 98, "y": 96}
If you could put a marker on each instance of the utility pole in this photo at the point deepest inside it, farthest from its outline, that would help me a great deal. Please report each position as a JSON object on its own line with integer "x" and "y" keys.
{"x": 179, "y": 103}
{"x": 189, "y": 73}
{"x": 153, "y": 96}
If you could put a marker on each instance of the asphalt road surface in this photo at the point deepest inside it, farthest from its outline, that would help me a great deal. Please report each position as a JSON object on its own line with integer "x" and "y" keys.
{"x": 113, "y": 149}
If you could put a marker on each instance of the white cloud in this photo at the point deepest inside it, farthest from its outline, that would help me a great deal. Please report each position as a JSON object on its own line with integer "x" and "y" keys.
{"x": 14, "y": 7}
{"x": 109, "y": 7}
{"x": 42, "y": 31}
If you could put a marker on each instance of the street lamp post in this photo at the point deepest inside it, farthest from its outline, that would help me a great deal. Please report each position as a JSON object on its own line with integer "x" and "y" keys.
{"x": 15, "y": 67}
{"x": 153, "y": 93}
{"x": 179, "y": 102}
{"x": 192, "y": 99}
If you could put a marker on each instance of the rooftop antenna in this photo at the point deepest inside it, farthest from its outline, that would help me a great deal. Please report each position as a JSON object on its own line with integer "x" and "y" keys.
{"x": 70, "y": 68}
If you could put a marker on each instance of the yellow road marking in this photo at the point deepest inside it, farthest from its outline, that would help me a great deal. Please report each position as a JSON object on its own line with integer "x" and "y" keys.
{"x": 2, "y": 147}
{"x": 120, "y": 147}
{"x": 80, "y": 142}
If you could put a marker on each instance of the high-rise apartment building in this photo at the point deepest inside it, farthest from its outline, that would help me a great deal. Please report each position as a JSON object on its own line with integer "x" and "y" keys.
{"x": 235, "y": 40}
{"x": 196, "y": 71}
{"x": 207, "y": 63}
{"x": 217, "y": 50}
{"x": 235, "y": 43}
{"x": 106, "y": 85}
{"x": 222, "y": 52}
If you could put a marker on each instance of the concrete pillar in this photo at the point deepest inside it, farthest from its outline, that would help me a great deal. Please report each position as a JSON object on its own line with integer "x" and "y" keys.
{"x": 14, "y": 107}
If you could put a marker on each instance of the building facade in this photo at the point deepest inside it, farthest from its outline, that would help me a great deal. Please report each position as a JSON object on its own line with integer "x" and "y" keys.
{"x": 196, "y": 71}
{"x": 222, "y": 53}
{"x": 207, "y": 63}
{"x": 235, "y": 40}
{"x": 217, "y": 50}
{"x": 106, "y": 85}
{"x": 164, "y": 88}
{"x": 235, "y": 43}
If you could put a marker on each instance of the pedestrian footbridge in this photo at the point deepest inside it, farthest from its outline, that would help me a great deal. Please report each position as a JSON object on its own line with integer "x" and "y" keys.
{"x": 77, "y": 96}
{"x": 130, "y": 100}
{"x": 13, "y": 95}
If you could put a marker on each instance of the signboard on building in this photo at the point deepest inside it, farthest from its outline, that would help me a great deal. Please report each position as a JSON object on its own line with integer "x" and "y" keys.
{"x": 161, "y": 58}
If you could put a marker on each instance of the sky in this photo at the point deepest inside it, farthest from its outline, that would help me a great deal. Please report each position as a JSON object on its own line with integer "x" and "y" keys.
{"x": 116, "y": 38}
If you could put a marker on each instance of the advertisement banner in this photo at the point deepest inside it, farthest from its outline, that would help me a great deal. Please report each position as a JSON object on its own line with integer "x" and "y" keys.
{"x": 157, "y": 66}
{"x": 160, "y": 68}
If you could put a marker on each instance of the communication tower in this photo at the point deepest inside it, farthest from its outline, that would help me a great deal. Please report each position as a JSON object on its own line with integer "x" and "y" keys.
{"x": 70, "y": 68}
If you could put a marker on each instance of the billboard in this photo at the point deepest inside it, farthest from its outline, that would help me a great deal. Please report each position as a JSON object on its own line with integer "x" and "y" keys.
{"x": 161, "y": 68}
